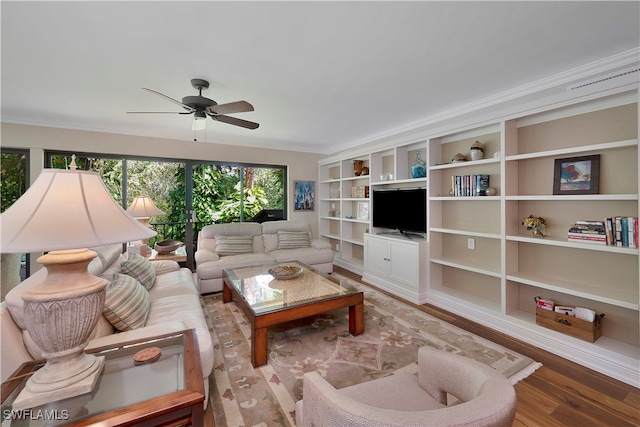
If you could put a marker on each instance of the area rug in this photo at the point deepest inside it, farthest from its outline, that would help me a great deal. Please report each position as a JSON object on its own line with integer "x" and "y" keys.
{"x": 243, "y": 396}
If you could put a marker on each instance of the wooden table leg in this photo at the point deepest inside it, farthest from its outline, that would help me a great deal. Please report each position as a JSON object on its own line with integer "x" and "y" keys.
{"x": 356, "y": 319}
{"x": 226, "y": 293}
{"x": 258, "y": 346}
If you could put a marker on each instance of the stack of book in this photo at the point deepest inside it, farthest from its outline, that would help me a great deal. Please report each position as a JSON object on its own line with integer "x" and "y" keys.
{"x": 586, "y": 231}
{"x": 469, "y": 185}
{"x": 622, "y": 231}
{"x": 614, "y": 231}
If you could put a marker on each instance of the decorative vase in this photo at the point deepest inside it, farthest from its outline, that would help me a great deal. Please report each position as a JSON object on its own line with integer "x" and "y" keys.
{"x": 357, "y": 167}
{"x": 418, "y": 167}
{"x": 537, "y": 231}
{"x": 476, "y": 152}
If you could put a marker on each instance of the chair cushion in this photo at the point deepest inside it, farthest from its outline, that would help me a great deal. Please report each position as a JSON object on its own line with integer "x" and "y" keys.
{"x": 140, "y": 269}
{"x": 126, "y": 304}
{"x": 215, "y": 269}
{"x": 233, "y": 245}
{"x": 293, "y": 239}
{"x": 399, "y": 392}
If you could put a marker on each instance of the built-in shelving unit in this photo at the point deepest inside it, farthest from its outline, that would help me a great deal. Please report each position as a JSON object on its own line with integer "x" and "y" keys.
{"x": 478, "y": 260}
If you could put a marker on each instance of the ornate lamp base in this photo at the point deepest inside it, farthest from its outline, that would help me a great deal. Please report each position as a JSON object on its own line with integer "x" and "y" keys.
{"x": 60, "y": 312}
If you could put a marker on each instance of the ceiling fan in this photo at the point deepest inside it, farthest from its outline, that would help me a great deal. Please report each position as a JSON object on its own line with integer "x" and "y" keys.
{"x": 202, "y": 107}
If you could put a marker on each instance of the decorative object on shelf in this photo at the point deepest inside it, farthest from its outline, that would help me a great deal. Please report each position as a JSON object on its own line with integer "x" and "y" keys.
{"x": 304, "y": 195}
{"x": 459, "y": 157}
{"x": 357, "y": 167}
{"x": 148, "y": 355}
{"x": 386, "y": 176}
{"x": 535, "y": 224}
{"x": 476, "y": 152}
{"x": 577, "y": 175}
{"x": 496, "y": 155}
{"x": 142, "y": 208}
{"x": 69, "y": 210}
{"x": 285, "y": 272}
{"x": 167, "y": 246}
{"x": 365, "y": 171}
{"x": 334, "y": 191}
{"x": 418, "y": 167}
{"x": 491, "y": 191}
{"x": 363, "y": 210}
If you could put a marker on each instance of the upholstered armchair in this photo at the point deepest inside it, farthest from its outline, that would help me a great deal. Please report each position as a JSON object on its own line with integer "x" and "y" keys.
{"x": 478, "y": 396}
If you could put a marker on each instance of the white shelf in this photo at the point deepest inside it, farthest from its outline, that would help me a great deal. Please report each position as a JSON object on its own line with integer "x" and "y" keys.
{"x": 465, "y": 164}
{"x": 577, "y": 197}
{"x": 477, "y": 268}
{"x": 463, "y": 198}
{"x": 574, "y": 150}
{"x": 331, "y": 236}
{"x": 576, "y": 245}
{"x": 465, "y": 232}
{"x": 420, "y": 181}
{"x": 359, "y": 242}
{"x": 582, "y": 290}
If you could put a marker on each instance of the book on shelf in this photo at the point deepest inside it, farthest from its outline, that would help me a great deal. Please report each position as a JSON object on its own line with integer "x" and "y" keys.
{"x": 622, "y": 231}
{"x": 469, "y": 185}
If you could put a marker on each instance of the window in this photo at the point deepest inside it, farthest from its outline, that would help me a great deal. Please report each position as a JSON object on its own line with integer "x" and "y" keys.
{"x": 13, "y": 183}
{"x": 191, "y": 194}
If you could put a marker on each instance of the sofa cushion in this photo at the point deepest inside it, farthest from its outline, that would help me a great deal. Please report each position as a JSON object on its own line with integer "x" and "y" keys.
{"x": 270, "y": 231}
{"x": 126, "y": 303}
{"x": 293, "y": 239}
{"x": 214, "y": 269}
{"x": 233, "y": 245}
{"x": 140, "y": 269}
{"x": 309, "y": 256}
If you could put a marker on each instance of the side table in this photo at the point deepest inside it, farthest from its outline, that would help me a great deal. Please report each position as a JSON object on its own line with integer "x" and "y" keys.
{"x": 167, "y": 392}
{"x": 179, "y": 255}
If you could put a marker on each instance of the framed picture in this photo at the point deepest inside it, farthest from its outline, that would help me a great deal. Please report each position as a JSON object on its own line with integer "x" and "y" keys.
{"x": 304, "y": 195}
{"x": 577, "y": 175}
{"x": 363, "y": 210}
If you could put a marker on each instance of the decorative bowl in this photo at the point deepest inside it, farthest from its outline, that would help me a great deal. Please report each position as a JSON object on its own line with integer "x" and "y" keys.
{"x": 167, "y": 246}
{"x": 285, "y": 272}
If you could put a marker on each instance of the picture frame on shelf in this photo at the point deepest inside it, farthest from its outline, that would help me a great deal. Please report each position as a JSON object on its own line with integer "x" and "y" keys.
{"x": 304, "y": 195}
{"x": 577, "y": 175}
{"x": 363, "y": 211}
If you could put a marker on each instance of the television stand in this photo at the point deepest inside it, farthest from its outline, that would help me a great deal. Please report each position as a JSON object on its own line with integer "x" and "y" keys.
{"x": 406, "y": 234}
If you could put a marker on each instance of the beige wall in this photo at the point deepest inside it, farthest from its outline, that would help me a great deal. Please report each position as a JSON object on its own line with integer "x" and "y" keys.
{"x": 301, "y": 166}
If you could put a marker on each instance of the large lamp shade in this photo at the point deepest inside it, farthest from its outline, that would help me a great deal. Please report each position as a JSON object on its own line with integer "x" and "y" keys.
{"x": 67, "y": 209}
{"x": 64, "y": 212}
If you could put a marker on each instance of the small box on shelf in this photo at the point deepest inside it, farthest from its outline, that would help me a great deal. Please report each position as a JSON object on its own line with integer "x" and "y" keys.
{"x": 570, "y": 325}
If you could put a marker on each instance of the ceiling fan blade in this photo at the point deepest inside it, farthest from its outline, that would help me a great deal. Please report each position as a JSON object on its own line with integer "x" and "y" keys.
{"x": 158, "y": 112}
{"x": 231, "y": 107}
{"x": 175, "y": 101}
{"x": 235, "y": 121}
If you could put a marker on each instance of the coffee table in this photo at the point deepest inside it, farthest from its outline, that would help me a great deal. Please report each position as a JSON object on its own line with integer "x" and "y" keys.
{"x": 267, "y": 301}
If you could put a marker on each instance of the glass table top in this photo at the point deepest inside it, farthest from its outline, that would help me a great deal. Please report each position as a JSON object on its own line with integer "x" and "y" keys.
{"x": 122, "y": 383}
{"x": 263, "y": 293}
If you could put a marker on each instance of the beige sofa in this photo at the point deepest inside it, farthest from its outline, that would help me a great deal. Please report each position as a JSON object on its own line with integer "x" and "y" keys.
{"x": 174, "y": 305}
{"x": 222, "y": 246}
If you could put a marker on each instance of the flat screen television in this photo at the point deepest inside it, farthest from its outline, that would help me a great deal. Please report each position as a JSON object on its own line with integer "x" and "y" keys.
{"x": 403, "y": 210}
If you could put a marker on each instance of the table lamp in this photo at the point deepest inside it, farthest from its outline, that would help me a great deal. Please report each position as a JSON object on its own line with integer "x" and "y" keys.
{"x": 65, "y": 212}
{"x": 142, "y": 208}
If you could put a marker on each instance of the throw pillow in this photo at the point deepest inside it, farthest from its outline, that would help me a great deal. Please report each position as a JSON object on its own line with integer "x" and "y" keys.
{"x": 293, "y": 239}
{"x": 126, "y": 304}
{"x": 234, "y": 245}
{"x": 140, "y": 269}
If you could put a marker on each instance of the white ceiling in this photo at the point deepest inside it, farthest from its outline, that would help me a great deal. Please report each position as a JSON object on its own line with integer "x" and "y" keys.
{"x": 321, "y": 75}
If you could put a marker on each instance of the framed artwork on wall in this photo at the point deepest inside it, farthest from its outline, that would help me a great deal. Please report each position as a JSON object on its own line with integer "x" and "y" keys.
{"x": 577, "y": 175}
{"x": 304, "y": 195}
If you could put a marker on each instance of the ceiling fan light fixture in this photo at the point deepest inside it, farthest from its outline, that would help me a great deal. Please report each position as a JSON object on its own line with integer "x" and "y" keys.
{"x": 199, "y": 121}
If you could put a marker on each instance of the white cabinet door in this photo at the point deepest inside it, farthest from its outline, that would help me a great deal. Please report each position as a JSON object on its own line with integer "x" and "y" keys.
{"x": 403, "y": 264}
{"x": 376, "y": 253}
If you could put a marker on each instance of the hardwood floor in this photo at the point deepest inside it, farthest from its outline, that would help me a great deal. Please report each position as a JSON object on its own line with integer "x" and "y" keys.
{"x": 560, "y": 393}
